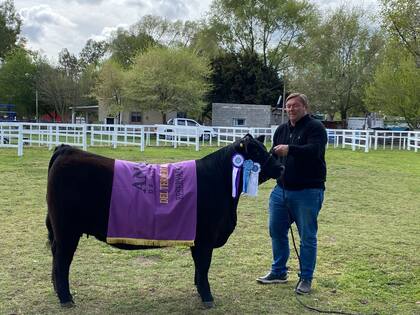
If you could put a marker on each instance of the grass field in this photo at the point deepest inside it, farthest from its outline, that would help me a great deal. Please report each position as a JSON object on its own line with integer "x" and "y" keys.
{"x": 368, "y": 257}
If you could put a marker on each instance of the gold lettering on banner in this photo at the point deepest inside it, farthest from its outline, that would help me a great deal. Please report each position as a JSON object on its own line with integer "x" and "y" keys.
{"x": 163, "y": 181}
{"x": 164, "y": 197}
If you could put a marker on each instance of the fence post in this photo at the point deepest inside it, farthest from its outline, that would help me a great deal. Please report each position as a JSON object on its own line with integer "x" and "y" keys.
{"x": 84, "y": 135}
{"x": 114, "y": 137}
{"x": 142, "y": 140}
{"x": 197, "y": 139}
{"x": 57, "y": 135}
{"x": 147, "y": 136}
{"x": 367, "y": 142}
{"x": 20, "y": 140}
{"x": 157, "y": 136}
{"x": 50, "y": 136}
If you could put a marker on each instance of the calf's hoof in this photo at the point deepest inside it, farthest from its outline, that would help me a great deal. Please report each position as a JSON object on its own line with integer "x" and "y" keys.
{"x": 208, "y": 304}
{"x": 68, "y": 304}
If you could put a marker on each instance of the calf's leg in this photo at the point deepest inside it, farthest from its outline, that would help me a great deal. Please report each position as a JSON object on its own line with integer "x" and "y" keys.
{"x": 202, "y": 260}
{"x": 63, "y": 252}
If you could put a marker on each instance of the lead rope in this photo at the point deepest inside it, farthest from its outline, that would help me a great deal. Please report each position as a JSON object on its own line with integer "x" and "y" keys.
{"x": 314, "y": 309}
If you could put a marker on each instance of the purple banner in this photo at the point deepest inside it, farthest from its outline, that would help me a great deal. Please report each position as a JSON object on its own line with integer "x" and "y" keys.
{"x": 153, "y": 204}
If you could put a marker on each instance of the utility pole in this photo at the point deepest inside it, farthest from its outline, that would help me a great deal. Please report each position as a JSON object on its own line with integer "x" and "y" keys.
{"x": 284, "y": 99}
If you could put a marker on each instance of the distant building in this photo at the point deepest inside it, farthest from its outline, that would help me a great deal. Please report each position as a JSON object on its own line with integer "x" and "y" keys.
{"x": 241, "y": 115}
{"x": 149, "y": 117}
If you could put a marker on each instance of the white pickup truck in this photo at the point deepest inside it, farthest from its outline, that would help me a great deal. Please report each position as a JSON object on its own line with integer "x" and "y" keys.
{"x": 203, "y": 131}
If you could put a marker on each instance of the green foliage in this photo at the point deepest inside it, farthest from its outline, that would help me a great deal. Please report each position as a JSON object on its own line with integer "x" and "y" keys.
{"x": 205, "y": 42}
{"x": 402, "y": 19}
{"x": 173, "y": 79}
{"x": 395, "y": 89}
{"x": 125, "y": 45}
{"x": 10, "y": 24}
{"x": 57, "y": 88}
{"x": 337, "y": 61}
{"x": 243, "y": 78}
{"x": 17, "y": 81}
{"x": 269, "y": 27}
{"x": 165, "y": 32}
{"x": 70, "y": 83}
{"x": 109, "y": 87}
{"x": 92, "y": 53}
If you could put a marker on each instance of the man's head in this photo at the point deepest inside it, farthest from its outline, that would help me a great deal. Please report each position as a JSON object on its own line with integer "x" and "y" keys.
{"x": 296, "y": 107}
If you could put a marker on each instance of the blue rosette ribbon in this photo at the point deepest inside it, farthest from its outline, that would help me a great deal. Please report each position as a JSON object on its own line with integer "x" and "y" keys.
{"x": 252, "y": 188}
{"x": 248, "y": 164}
{"x": 237, "y": 162}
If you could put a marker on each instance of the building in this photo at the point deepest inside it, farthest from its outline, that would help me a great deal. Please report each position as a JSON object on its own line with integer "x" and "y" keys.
{"x": 149, "y": 117}
{"x": 241, "y": 115}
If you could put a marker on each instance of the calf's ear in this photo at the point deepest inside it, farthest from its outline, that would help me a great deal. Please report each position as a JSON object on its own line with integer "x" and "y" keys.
{"x": 261, "y": 138}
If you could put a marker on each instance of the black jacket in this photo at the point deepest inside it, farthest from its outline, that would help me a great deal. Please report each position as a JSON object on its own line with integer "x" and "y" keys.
{"x": 305, "y": 162}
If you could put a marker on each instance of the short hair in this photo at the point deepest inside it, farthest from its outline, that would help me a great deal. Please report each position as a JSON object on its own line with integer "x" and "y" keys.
{"x": 303, "y": 98}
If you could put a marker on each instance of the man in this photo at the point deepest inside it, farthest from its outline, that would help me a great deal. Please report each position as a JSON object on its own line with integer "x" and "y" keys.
{"x": 299, "y": 193}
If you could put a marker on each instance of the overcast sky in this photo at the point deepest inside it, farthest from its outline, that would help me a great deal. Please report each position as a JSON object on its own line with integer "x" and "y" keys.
{"x": 51, "y": 25}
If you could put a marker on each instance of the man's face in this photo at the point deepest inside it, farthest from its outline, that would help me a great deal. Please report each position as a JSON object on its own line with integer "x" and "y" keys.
{"x": 295, "y": 109}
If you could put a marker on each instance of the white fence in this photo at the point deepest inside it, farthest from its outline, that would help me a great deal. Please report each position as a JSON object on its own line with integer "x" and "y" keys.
{"x": 18, "y": 135}
{"x": 114, "y": 135}
{"x": 230, "y": 134}
{"x": 413, "y": 140}
{"x": 178, "y": 135}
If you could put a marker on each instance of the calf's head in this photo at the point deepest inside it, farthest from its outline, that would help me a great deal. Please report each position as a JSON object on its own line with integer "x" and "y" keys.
{"x": 254, "y": 149}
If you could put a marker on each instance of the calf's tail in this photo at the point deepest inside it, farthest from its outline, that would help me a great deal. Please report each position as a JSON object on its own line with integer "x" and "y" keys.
{"x": 50, "y": 231}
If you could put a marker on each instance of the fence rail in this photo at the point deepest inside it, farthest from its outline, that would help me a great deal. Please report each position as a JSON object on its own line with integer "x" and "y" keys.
{"x": 19, "y": 135}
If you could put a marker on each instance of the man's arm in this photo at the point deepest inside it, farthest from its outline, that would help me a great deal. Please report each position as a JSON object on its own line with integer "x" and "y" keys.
{"x": 317, "y": 139}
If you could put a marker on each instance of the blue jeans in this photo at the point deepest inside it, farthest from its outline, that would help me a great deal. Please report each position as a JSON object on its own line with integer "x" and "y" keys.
{"x": 302, "y": 207}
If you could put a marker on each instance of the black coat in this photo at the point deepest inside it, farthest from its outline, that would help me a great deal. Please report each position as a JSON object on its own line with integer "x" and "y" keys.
{"x": 305, "y": 165}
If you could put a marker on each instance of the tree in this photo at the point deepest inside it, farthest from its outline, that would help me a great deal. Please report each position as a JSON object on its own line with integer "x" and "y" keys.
{"x": 402, "y": 19}
{"x": 173, "y": 79}
{"x": 243, "y": 78}
{"x": 125, "y": 45}
{"x": 395, "y": 88}
{"x": 56, "y": 88}
{"x": 17, "y": 81}
{"x": 205, "y": 42}
{"x": 338, "y": 60}
{"x": 109, "y": 87}
{"x": 10, "y": 24}
{"x": 165, "y": 32}
{"x": 269, "y": 27}
{"x": 92, "y": 53}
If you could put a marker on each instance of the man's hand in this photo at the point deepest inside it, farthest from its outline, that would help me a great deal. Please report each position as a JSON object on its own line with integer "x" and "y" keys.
{"x": 281, "y": 149}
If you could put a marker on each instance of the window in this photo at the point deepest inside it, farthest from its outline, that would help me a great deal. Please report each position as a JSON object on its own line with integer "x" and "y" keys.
{"x": 110, "y": 120}
{"x": 136, "y": 117}
{"x": 238, "y": 121}
{"x": 191, "y": 123}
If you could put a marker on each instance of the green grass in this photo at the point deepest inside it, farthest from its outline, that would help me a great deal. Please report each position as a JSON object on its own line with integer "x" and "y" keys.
{"x": 368, "y": 260}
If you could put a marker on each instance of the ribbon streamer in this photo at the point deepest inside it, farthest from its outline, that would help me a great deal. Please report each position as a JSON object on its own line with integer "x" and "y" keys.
{"x": 237, "y": 162}
{"x": 248, "y": 164}
{"x": 253, "y": 180}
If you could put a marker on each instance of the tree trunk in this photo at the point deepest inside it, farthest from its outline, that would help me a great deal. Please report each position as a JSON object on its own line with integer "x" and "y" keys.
{"x": 344, "y": 118}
